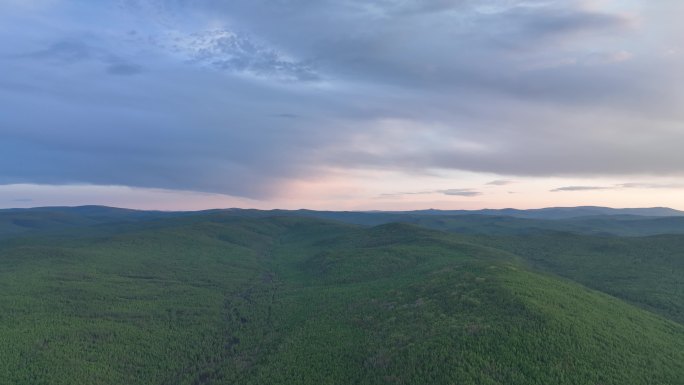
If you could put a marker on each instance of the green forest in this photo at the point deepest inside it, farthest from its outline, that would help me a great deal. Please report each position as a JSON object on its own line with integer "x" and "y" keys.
{"x": 106, "y": 296}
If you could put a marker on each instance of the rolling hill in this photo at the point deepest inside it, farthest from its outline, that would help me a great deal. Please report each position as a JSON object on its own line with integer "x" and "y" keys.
{"x": 224, "y": 298}
{"x": 44, "y": 219}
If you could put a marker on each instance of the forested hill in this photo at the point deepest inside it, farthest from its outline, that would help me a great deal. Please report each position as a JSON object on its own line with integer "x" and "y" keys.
{"x": 227, "y": 298}
{"x": 581, "y": 220}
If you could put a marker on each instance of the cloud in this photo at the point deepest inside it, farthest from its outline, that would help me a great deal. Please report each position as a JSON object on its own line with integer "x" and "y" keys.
{"x": 461, "y": 192}
{"x": 286, "y": 116}
{"x": 230, "y": 51}
{"x": 622, "y": 186}
{"x": 651, "y": 185}
{"x": 65, "y": 51}
{"x": 555, "y": 21}
{"x": 244, "y": 97}
{"x": 500, "y": 182}
{"x": 581, "y": 188}
{"x": 77, "y": 52}
{"x": 124, "y": 69}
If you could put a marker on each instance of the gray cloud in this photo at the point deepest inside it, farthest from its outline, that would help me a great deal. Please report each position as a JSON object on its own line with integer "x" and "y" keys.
{"x": 398, "y": 194}
{"x": 500, "y": 182}
{"x": 461, "y": 192}
{"x": 556, "y": 21}
{"x": 622, "y": 186}
{"x": 581, "y": 188}
{"x": 651, "y": 185}
{"x": 74, "y": 51}
{"x": 286, "y": 116}
{"x": 231, "y": 51}
{"x": 124, "y": 69}
{"x": 516, "y": 88}
{"x": 65, "y": 51}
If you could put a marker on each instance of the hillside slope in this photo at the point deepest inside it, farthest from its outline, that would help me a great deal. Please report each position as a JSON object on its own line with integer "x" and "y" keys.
{"x": 647, "y": 271}
{"x": 14, "y": 222}
{"x": 223, "y": 300}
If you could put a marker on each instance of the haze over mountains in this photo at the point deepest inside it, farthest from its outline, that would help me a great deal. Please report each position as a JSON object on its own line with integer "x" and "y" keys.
{"x": 587, "y": 220}
{"x": 561, "y": 212}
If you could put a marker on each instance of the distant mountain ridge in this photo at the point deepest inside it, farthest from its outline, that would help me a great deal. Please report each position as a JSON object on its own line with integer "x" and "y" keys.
{"x": 579, "y": 220}
{"x": 559, "y": 212}
{"x": 541, "y": 213}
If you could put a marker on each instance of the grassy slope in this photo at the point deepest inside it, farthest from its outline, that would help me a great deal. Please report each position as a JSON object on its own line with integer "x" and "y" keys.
{"x": 295, "y": 301}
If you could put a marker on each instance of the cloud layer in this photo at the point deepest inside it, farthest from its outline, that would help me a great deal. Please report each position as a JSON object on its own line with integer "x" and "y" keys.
{"x": 244, "y": 97}
{"x": 622, "y": 186}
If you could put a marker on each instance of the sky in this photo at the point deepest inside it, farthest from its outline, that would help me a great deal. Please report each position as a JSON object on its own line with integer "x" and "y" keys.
{"x": 341, "y": 104}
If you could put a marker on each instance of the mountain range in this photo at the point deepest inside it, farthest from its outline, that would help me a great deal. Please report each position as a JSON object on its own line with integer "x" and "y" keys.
{"x": 102, "y": 295}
